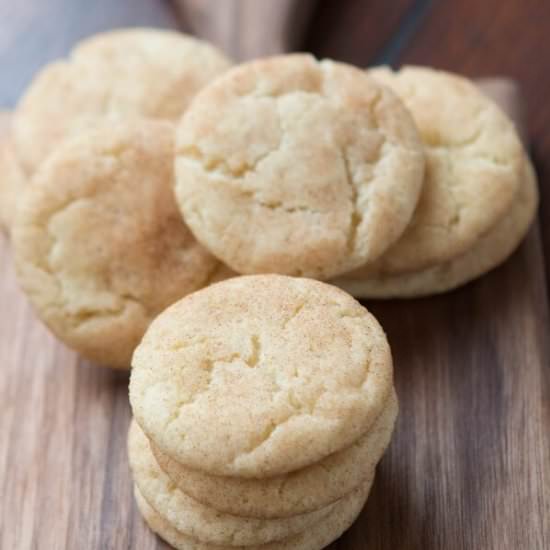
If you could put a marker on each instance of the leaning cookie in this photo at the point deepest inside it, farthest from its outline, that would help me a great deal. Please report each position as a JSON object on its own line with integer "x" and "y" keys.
{"x": 474, "y": 167}
{"x": 297, "y": 166}
{"x": 487, "y": 253}
{"x": 316, "y": 537}
{"x": 12, "y": 181}
{"x": 125, "y": 73}
{"x": 100, "y": 247}
{"x": 298, "y": 492}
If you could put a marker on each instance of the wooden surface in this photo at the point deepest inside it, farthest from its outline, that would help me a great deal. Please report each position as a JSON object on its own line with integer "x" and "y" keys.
{"x": 469, "y": 466}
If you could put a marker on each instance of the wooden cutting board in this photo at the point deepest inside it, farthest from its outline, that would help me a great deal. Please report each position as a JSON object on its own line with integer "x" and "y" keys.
{"x": 469, "y": 466}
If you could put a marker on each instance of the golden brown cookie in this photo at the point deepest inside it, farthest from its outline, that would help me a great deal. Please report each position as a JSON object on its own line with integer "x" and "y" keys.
{"x": 284, "y": 371}
{"x": 202, "y": 522}
{"x": 487, "y": 252}
{"x": 474, "y": 167}
{"x": 298, "y": 492}
{"x": 125, "y": 73}
{"x": 317, "y": 537}
{"x": 297, "y": 166}
{"x": 99, "y": 243}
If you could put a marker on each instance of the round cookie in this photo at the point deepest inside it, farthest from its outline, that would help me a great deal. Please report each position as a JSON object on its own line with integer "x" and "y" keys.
{"x": 298, "y": 492}
{"x": 201, "y": 522}
{"x": 474, "y": 162}
{"x": 487, "y": 253}
{"x": 100, "y": 247}
{"x": 298, "y": 368}
{"x": 125, "y": 73}
{"x": 315, "y": 538}
{"x": 12, "y": 179}
{"x": 296, "y": 166}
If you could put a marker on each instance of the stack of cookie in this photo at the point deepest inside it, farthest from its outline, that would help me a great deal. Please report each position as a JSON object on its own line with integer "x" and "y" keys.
{"x": 478, "y": 198}
{"x": 262, "y": 405}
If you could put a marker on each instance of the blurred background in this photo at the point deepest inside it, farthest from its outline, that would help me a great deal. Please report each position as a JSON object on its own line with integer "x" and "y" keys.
{"x": 477, "y": 38}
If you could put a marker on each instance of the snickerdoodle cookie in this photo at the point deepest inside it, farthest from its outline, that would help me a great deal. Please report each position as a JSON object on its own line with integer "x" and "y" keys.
{"x": 474, "y": 167}
{"x": 100, "y": 246}
{"x": 297, "y": 492}
{"x": 316, "y": 537}
{"x": 125, "y": 73}
{"x": 486, "y": 253}
{"x": 297, "y": 166}
{"x": 258, "y": 376}
{"x": 202, "y": 522}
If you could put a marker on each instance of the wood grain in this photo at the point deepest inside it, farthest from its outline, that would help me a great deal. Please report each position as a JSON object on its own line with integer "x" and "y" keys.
{"x": 470, "y": 457}
{"x": 469, "y": 465}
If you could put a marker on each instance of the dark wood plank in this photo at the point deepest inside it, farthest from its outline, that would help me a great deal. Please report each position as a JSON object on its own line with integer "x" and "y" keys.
{"x": 470, "y": 457}
{"x": 64, "y": 474}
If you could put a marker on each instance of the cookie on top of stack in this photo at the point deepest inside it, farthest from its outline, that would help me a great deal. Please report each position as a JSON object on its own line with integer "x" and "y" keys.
{"x": 262, "y": 405}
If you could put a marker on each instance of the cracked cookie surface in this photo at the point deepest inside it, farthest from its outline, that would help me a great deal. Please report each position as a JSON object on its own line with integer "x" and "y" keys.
{"x": 260, "y": 375}
{"x": 294, "y": 166}
{"x": 100, "y": 247}
{"x": 297, "y": 492}
{"x": 487, "y": 252}
{"x": 203, "y": 522}
{"x": 474, "y": 167}
{"x": 125, "y": 73}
